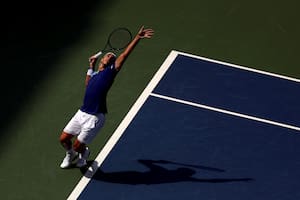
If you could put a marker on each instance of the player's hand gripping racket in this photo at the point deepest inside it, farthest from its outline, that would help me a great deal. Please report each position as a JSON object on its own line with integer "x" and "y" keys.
{"x": 117, "y": 40}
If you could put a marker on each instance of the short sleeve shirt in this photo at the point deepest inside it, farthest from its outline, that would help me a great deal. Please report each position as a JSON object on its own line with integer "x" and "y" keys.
{"x": 94, "y": 101}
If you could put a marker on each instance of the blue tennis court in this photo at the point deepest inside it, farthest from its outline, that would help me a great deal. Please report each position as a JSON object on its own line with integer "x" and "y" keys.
{"x": 203, "y": 129}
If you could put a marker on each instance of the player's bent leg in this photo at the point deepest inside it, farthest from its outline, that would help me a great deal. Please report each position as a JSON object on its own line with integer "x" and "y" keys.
{"x": 88, "y": 132}
{"x": 83, "y": 151}
{"x": 66, "y": 141}
{"x": 79, "y": 146}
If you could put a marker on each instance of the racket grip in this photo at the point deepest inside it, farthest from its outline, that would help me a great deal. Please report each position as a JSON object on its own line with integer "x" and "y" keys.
{"x": 97, "y": 54}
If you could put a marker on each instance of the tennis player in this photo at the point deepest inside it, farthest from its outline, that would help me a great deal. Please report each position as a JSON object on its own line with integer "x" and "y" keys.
{"x": 90, "y": 118}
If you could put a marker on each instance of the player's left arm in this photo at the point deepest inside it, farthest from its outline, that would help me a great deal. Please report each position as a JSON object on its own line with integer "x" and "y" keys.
{"x": 143, "y": 33}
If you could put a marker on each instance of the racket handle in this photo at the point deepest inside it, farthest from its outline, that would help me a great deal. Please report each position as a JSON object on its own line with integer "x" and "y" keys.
{"x": 97, "y": 54}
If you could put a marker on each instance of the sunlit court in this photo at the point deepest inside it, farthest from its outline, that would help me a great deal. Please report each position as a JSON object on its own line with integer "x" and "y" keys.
{"x": 178, "y": 142}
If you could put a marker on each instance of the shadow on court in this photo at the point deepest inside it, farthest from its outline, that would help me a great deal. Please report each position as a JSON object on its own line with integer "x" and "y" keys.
{"x": 157, "y": 174}
{"x": 34, "y": 37}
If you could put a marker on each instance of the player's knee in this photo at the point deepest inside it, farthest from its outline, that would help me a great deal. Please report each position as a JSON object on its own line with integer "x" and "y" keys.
{"x": 65, "y": 137}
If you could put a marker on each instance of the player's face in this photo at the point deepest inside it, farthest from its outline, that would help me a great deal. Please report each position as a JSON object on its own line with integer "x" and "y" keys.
{"x": 108, "y": 58}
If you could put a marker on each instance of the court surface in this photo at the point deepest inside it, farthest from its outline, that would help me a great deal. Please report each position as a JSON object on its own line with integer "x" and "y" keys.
{"x": 203, "y": 129}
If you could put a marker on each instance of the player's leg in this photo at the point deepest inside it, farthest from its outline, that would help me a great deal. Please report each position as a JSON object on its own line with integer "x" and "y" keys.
{"x": 83, "y": 153}
{"x": 73, "y": 128}
{"x": 89, "y": 131}
{"x": 66, "y": 142}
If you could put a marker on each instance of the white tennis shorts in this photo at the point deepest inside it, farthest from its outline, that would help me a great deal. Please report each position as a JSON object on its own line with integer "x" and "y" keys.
{"x": 85, "y": 126}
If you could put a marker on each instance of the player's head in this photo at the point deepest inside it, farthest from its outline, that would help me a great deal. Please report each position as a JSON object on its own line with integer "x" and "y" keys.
{"x": 108, "y": 58}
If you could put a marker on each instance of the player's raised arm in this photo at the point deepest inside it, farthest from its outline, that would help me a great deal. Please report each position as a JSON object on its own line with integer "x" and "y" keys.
{"x": 91, "y": 69}
{"x": 143, "y": 33}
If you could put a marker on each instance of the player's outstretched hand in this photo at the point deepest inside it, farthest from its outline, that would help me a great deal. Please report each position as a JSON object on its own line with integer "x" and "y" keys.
{"x": 145, "y": 33}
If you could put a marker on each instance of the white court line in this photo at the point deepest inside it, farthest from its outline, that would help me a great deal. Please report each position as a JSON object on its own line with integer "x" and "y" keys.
{"x": 141, "y": 100}
{"x": 226, "y": 112}
{"x": 240, "y": 67}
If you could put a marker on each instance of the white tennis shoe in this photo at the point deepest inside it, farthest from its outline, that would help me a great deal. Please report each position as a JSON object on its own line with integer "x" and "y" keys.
{"x": 67, "y": 162}
{"x": 82, "y": 161}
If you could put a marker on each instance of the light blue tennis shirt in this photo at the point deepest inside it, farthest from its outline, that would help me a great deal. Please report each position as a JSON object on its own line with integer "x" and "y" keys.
{"x": 94, "y": 101}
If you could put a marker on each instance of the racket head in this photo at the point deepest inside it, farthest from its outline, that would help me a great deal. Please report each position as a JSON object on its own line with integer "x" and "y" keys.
{"x": 119, "y": 38}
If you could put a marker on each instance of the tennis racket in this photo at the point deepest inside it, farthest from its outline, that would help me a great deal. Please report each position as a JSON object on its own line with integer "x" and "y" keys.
{"x": 193, "y": 166}
{"x": 117, "y": 40}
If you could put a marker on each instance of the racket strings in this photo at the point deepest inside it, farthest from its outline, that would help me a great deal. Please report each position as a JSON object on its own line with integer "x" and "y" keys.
{"x": 119, "y": 39}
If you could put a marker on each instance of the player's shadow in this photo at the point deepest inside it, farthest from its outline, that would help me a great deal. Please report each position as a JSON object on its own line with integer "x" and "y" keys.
{"x": 159, "y": 175}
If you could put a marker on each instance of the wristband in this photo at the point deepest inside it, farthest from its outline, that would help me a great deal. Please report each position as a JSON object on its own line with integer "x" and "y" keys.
{"x": 89, "y": 72}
